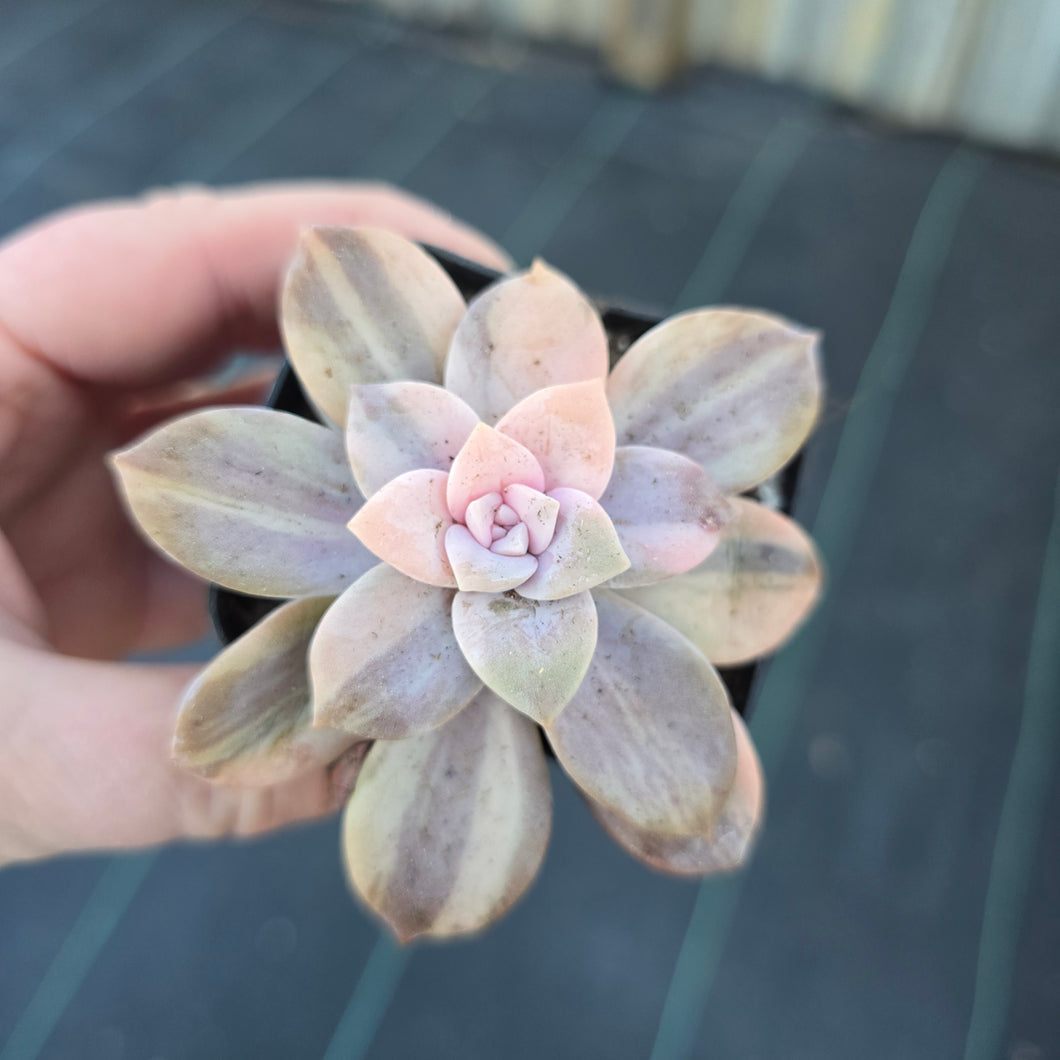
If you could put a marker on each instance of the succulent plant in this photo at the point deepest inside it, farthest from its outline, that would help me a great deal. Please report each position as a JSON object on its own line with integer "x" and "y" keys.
{"x": 536, "y": 546}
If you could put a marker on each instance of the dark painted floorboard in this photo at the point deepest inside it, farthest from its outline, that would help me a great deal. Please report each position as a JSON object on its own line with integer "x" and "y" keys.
{"x": 867, "y": 893}
{"x": 856, "y": 930}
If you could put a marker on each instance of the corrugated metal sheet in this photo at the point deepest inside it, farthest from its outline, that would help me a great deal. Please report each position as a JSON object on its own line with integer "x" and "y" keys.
{"x": 990, "y": 68}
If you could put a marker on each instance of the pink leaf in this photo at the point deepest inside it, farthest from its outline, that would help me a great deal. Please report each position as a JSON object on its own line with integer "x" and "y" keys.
{"x": 404, "y": 524}
{"x": 537, "y": 510}
{"x": 585, "y": 550}
{"x": 516, "y": 542}
{"x": 533, "y": 330}
{"x": 488, "y": 462}
{"x": 570, "y": 431}
{"x": 481, "y": 570}
{"x": 479, "y": 518}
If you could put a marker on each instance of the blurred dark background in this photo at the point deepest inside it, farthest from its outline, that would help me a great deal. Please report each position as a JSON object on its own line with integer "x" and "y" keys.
{"x": 904, "y": 901}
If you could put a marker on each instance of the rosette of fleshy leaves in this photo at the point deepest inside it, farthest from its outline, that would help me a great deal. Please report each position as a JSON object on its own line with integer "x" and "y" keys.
{"x": 488, "y": 536}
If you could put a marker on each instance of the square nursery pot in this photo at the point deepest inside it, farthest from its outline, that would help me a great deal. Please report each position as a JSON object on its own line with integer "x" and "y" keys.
{"x": 234, "y": 613}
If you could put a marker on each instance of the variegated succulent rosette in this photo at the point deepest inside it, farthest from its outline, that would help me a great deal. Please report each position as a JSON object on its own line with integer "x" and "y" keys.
{"x": 536, "y": 545}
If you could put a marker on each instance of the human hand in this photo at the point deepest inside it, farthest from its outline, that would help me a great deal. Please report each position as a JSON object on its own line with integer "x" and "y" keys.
{"x": 108, "y": 316}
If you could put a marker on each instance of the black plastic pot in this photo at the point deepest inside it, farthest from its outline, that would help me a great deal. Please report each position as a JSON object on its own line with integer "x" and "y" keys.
{"x": 234, "y": 613}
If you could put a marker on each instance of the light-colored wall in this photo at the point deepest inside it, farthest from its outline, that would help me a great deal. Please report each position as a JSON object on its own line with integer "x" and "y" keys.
{"x": 987, "y": 67}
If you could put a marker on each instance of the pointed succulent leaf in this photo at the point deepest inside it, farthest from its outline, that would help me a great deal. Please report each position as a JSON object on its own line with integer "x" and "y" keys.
{"x": 488, "y": 462}
{"x": 249, "y": 498}
{"x": 537, "y": 511}
{"x": 584, "y": 552}
{"x": 749, "y": 595}
{"x": 736, "y": 391}
{"x": 649, "y": 732}
{"x": 404, "y": 524}
{"x": 569, "y": 430}
{"x": 730, "y": 840}
{"x": 480, "y": 570}
{"x": 445, "y": 831}
{"x": 666, "y": 510}
{"x": 532, "y": 653}
{"x": 248, "y": 717}
{"x": 384, "y": 663}
{"x": 513, "y": 542}
{"x": 530, "y": 331}
{"x": 363, "y": 305}
{"x": 480, "y": 518}
{"x": 392, "y": 428}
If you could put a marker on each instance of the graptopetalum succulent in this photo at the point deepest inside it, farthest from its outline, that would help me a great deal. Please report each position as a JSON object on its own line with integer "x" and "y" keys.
{"x": 536, "y": 545}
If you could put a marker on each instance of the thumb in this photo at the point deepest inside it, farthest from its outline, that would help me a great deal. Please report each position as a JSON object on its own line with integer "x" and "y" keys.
{"x": 86, "y": 763}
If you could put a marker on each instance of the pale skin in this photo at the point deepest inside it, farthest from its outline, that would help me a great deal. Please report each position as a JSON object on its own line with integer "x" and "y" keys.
{"x": 110, "y": 317}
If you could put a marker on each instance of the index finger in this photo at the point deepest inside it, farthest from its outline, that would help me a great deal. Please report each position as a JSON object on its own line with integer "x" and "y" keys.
{"x": 135, "y": 293}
